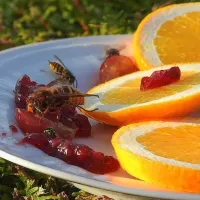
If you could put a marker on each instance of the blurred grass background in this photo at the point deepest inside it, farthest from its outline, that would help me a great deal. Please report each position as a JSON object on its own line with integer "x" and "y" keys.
{"x": 29, "y": 21}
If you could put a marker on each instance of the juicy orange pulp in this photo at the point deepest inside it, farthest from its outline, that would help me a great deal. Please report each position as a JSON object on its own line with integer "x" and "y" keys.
{"x": 129, "y": 93}
{"x": 183, "y": 143}
{"x": 171, "y": 34}
{"x": 164, "y": 153}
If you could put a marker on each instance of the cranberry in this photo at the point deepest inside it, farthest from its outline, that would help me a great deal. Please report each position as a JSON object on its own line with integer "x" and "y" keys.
{"x": 83, "y": 125}
{"x": 40, "y": 141}
{"x": 97, "y": 164}
{"x": 160, "y": 78}
{"x": 116, "y": 66}
{"x": 55, "y": 142}
{"x": 65, "y": 151}
{"x": 74, "y": 154}
{"x": 85, "y": 157}
{"x": 82, "y": 154}
{"x": 13, "y": 128}
{"x": 28, "y": 122}
{"x": 68, "y": 111}
{"x": 110, "y": 163}
{"x": 71, "y": 118}
{"x": 23, "y": 88}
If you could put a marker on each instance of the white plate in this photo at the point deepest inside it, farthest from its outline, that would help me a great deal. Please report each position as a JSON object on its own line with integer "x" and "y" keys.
{"x": 82, "y": 56}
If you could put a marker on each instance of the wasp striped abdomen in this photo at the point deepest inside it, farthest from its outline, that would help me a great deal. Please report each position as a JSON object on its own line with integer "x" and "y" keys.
{"x": 63, "y": 72}
{"x": 56, "y": 67}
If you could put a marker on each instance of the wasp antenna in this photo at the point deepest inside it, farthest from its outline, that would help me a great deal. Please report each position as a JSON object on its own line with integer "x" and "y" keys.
{"x": 122, "y": 47}
{"x": 76, "y": 83}
{"x": 106, "y": 47}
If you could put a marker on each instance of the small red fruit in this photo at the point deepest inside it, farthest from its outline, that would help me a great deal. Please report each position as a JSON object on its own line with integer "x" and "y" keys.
{"x": 40, "y": 141}
{"x": 30, "y": 123}
{"x": 160, "y": 78}
{"x": 86, "y": 158}
{"x": 23, "y": 88}
{"x": 83, "y": 125}
{"x": 116, "y": 66}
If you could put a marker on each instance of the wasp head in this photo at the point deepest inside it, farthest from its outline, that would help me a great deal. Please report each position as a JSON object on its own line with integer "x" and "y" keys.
{"x": 40, "y": 99}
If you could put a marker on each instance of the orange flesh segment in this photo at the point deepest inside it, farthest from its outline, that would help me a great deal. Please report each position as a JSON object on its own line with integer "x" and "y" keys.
{"x": 180, "y": 143}
{"x": 175, "y": 43}
{"x": 129, "y": 93}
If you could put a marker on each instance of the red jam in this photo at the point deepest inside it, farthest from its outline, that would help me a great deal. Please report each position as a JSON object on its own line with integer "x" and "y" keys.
{"x": 60, "y": 145}
{"x": 160, "y": 78}
{"x": 74, "y": 154}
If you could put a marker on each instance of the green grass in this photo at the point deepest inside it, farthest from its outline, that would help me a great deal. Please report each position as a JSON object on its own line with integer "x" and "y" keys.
{"x": 29, "y": 21}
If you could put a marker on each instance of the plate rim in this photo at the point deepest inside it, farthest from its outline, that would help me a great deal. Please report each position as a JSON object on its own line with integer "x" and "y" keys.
{"x": 72, "y": 177}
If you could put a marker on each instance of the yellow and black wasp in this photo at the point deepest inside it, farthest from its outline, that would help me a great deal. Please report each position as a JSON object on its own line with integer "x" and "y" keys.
{"x": 64, "y": 73}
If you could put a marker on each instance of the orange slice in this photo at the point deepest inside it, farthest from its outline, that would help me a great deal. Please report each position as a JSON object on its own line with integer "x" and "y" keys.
{"x": 168, "y": 35}
{"x": 166, "y": 154}
{"x": 121, "y": 102}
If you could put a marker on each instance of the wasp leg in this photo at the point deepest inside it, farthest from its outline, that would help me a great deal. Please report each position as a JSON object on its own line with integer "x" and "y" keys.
{"x": 76, "y": 83}
{"x": 91, "y": 95}
{"x": 73, "y": 104}
{"x": 88, "y": 110}
{"x": 80, "y": 95}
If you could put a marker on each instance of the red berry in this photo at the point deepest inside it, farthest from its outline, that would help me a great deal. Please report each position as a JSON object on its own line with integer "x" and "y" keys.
{"x": 83, "y": 125}
{"x": 86, "y": 158}
{"x": 63, "y": 115}
{"x": 68, "y": 111}
{"x": 66, "y": 151}
{"x": 28, "y": 122}
{"x": 55, "y": 142}
{"x": 82, "y": 154}
{"x": 110, "y": 164}
{"x": 40, "y": 141}
{"x": 97, "y": 164}
{"x": 160, "y": 78}
{"x": 116, "y": 66}
{"x": 23, "y": 88}
{"x": 20, "y": 101}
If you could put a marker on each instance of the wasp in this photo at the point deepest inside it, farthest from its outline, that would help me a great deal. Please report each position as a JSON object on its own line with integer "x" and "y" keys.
{"x": 112, "y": 51}
{"x": 64, "y": 73}
{"x": 44, "y": 99}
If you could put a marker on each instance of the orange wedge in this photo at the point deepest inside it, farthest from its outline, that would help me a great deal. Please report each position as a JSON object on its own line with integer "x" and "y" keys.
{"x": 166, "y": 154}
{"x": 121, "y": 102}
{"x": 168, "y": 35}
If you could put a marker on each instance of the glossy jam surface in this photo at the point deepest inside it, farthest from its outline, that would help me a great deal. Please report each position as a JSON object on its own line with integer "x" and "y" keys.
{"x": 54, "y": 135}
{"x": 74, "y": 154}
{"x": 160, "y": 78}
